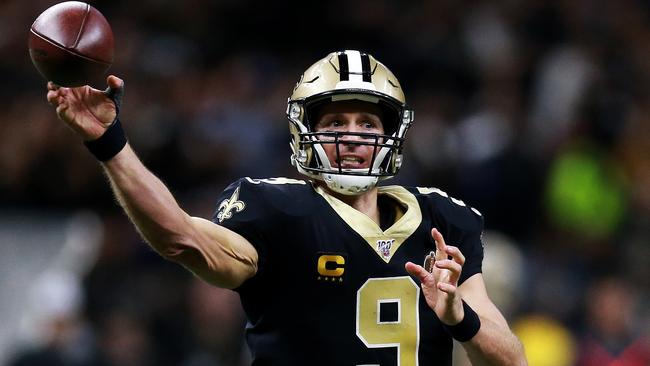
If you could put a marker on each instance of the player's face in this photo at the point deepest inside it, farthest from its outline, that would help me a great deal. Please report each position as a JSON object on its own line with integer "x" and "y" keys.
{"x": 352, "y": 117}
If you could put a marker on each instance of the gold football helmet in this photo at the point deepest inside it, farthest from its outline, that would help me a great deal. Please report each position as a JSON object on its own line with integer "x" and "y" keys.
{"x": 347, "y": 75}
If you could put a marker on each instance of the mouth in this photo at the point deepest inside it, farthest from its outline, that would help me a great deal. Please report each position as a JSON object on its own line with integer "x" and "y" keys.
{"x": 350, "y": 162}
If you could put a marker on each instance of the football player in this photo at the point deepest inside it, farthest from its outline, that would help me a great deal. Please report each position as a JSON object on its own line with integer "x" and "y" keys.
{"x": 328, "y": 268}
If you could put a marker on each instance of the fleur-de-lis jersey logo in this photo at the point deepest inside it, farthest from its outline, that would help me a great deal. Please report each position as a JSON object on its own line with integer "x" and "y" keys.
{"x": 227, "y": 206}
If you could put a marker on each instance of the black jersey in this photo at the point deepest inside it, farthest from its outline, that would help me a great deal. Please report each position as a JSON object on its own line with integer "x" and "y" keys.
{"x": 331, "y": 288}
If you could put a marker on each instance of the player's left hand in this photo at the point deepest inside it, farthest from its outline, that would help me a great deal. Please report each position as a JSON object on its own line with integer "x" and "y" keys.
{"x": 440, "y": 286}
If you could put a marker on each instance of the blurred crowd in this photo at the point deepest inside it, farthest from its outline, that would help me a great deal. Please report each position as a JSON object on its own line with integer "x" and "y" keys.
{"x": 535, "y": 112}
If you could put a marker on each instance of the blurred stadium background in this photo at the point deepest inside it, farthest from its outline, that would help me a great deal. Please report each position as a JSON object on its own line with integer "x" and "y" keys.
{"x": 535, "y": 112}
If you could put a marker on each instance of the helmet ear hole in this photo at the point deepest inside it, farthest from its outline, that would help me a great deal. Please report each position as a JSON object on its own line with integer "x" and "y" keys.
{"x": 313, "y": 112}
{"x": 390, "y": 118}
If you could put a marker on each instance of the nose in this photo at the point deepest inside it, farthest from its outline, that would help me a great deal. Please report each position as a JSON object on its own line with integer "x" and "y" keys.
{"x": 347, "y": 137}
{"x": 351, "y": 141}
{"x": 353, "y": 127}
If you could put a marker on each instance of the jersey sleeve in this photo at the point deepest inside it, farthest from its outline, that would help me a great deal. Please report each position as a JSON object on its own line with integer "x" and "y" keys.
{"x": 243, "y": 208}
{"x": 461, "y": 226}
{"x": 260, "y": 210}
{"x": 471, "y": 245}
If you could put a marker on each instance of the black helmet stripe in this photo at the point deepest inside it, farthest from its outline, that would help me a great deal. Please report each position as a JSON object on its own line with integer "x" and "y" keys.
{"x": 344, "y": 71}
{"x": 354, "y": 65}
{"x": 365, "y": 66}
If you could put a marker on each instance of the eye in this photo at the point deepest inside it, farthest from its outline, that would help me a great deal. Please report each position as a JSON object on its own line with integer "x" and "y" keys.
{"x": 370, "y": 124}
{"x": 328, "y": 125}
{"x": 333, "y": 124}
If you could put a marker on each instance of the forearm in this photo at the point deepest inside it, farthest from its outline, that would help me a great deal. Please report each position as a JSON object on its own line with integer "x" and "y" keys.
{"x": 147, "y": 201}
{"x": 212, "y": 252}
{"x": 494, "y": 344}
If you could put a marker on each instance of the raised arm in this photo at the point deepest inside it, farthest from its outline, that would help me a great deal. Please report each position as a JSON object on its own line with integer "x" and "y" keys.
{"x": 466, "y": 310}
{"x": 214, "y": 253}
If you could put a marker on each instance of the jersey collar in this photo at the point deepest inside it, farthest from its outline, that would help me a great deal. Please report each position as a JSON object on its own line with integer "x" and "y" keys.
{"x": 383, "y": 243}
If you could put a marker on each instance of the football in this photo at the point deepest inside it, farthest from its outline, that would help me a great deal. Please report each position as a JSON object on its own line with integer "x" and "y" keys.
{"x": 71, "y": 44}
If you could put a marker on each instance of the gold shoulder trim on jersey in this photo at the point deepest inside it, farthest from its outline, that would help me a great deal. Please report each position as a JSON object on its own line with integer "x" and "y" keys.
{"x": 384, "y": 243}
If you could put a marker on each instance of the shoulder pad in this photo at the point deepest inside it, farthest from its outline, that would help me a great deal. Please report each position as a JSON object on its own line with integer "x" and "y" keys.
{"x": 255, "y": 198}
{"x": 441, "y": 193}
{"x": 450, "y": 209}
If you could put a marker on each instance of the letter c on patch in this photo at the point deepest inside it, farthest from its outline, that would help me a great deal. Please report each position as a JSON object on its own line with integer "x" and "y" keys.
{"x": 331, "y": 265}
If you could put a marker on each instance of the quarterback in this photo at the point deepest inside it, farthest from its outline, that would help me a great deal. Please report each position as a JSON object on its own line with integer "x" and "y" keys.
{"x": 333, "y": 269}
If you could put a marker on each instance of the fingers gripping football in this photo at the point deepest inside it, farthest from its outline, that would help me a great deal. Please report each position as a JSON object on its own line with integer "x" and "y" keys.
{"x": 87, "y": 111}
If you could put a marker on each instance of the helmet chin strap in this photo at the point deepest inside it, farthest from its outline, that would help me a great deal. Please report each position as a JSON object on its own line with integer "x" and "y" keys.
{"x": 349, "y": 185}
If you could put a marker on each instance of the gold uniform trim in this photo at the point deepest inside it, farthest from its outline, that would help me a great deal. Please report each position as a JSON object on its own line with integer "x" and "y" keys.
{"x": 384, "y": 243}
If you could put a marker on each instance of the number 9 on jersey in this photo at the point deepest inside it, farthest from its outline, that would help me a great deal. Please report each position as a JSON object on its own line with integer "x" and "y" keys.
{"x": 401, "y": 294}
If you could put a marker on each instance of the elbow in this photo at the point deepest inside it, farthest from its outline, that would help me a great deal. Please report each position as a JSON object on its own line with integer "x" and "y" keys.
{"x": 170, "y": 252}
{"x": 217, "y": 270}
{"x": 172, "y": 248}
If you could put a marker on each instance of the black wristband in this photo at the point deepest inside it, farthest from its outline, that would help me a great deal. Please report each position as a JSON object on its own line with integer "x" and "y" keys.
{"x": 108, "y": 144}
{"x": 467, "y": 328}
